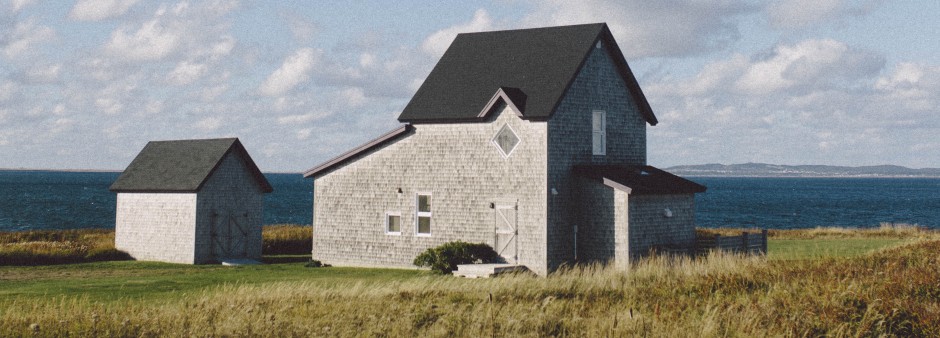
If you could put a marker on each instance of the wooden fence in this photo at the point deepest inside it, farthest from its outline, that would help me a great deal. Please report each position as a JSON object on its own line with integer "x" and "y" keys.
{"x": 748, "y": 243}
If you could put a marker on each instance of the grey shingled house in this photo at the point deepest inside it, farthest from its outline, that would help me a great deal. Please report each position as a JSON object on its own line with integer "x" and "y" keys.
{"x": 532, "y": 140}
{"x": 190, "y": 201}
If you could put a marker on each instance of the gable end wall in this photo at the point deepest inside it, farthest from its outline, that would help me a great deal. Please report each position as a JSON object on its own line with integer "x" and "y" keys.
{"x": 598, "y": 87}
{"x": 156, "y": 226}
{"x": 231, "y": 191}
{"x": 463, "y": 171}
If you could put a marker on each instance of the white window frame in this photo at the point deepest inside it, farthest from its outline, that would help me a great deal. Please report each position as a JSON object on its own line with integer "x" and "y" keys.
{"x": 599, "y": 133}
{"x": 419, "y": 213}
{"x": 498, "y": 148}
{"x": 389, "y": 214}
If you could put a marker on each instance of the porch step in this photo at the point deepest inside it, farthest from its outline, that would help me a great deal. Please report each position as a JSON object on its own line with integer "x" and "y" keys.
{"x": 239, "y": 262}
{"x": 486, "y": 270}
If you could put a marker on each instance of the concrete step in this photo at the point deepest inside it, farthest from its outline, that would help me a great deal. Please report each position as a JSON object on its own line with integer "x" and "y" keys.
{"x": 486, "y": 270}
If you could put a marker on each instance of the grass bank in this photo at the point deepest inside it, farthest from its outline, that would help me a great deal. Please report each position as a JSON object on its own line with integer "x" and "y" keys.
{"x": 889, "y": 291}
{"x": 45, "y": 247}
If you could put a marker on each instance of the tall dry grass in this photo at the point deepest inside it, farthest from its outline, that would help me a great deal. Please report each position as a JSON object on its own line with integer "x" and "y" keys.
{"x": 58, "y": 247}
{"x": 44, "y": 247}
{"x": 893, "y": 292}
{"x": 287, "y": 239}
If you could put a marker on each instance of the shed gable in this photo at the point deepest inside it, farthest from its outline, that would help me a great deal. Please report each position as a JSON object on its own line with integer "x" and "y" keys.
{"x": 182, "y": 166}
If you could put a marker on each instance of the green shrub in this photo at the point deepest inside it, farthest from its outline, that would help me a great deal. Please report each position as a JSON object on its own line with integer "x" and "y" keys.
{"x": 444, "y": 258}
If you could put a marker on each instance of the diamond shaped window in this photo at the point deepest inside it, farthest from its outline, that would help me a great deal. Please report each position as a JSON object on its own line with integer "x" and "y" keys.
{"x": 506, "y": 140}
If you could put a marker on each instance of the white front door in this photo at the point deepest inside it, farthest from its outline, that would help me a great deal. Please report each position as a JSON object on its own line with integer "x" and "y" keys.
{"x": 505, "y": 232}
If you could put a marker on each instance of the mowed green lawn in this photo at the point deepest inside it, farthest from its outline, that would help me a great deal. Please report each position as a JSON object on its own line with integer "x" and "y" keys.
{"x": 790, "y": 249}
{"x": 130, "y": 280}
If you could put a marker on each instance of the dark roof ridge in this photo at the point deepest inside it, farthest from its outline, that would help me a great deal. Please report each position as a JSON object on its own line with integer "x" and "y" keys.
{"x": 535, "y": 28}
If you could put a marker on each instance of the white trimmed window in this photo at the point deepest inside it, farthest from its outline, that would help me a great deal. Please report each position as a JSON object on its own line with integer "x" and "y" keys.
{"x": 599, "y": 131}
{"x": 423, "y": 214}
{"x": 506, "y": 140}
{"x": 393, "y": 223}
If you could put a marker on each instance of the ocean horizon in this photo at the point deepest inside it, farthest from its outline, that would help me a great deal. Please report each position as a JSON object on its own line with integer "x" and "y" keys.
{"x": 70, "y": 199}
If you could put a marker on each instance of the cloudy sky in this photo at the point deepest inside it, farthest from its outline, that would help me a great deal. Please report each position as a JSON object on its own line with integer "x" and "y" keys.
{"x": 84, "y": 85}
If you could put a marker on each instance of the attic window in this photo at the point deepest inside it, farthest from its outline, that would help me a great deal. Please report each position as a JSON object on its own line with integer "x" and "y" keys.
{"x": 598, "y": 46}
{"x": 506, "y": 140}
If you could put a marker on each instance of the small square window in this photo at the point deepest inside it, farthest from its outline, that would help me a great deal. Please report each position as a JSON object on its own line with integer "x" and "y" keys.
{"x": 393, "y": 223}
{"x": 506, "y": 140}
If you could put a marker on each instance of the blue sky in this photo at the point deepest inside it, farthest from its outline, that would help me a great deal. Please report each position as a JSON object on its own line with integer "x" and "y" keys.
{"x": 85, "y": 84}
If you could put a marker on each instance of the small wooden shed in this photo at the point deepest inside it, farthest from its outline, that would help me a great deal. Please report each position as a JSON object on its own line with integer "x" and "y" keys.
{"x": 190, "y": 201}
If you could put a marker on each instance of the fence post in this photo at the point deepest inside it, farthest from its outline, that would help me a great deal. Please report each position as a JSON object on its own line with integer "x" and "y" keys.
{"x": 744, "y": 242}
{"x": 764, "y": 247}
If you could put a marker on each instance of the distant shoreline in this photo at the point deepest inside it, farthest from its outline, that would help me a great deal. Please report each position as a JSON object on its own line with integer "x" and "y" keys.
{"x": 797, "y": 176}
{"x": 764, "y": 170}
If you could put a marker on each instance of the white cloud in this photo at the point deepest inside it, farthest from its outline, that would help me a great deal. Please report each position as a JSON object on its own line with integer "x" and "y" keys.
{"x": 795, "y": 14}
{"x": 20, "y": 4}
{"x": 294, "y": 71}
{"x": 354, "y": 97}
{"x": 152, "y": 41}
{"x": 652, "y": 28}
{"x": 300, "y": 118}
{"x": 95, "y": 10}
{"x": 43, "y": 74}
{"x": 303, "y": 134}
{"x": 209, "y": 124}
{"x": 814, "y": 101}
{"x": 24, "y": 38}
{"x": 109, "y": 105}
{"x": 437, "y": 43}
{"x": 186, "y": 72}
{"x": 808, "y": 63}
{"x": 7, "y": 90}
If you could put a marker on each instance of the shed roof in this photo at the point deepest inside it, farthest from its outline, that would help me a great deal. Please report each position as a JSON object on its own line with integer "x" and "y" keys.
{"x": 639, "y": 180}
{"x": 182, "y": 166}
{"x": 536, "y": 66}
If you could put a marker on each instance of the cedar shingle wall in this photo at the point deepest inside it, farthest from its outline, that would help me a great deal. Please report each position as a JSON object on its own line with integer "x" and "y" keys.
{"x": 230, "y": 197}
{"x": 156, "y": 226}
{"x": 649, "y": 227}
{"x": 597, "y": 87}
{"x": 463, "y": 171}
{"x": 175, "y": 227}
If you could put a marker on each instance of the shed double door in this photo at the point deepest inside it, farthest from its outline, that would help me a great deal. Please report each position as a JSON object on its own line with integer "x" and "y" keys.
{"x": 229, "y": 236}
{"x": 505, "y": 231}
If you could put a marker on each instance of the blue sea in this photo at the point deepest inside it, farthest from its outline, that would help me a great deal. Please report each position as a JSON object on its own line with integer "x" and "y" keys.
{"x": 31, "y": 200}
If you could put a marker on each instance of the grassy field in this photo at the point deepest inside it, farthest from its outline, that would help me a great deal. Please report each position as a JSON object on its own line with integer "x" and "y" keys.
{"x": 879, "y": 288}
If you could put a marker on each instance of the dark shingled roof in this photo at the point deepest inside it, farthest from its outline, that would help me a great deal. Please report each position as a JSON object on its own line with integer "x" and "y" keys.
{"x": 642, "y": 180}
{"x": 181, "y": 166}
{"x": 535, "y": 65}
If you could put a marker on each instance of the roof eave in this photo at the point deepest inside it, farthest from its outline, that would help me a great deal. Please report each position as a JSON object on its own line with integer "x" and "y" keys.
{"x": 351, "y": 154}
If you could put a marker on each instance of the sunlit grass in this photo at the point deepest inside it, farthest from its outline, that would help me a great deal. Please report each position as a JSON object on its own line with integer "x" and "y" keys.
{"x": 888, "y": 292}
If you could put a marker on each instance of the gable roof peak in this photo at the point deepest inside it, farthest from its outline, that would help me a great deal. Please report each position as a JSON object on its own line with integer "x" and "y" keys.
{"x": 182, "y": 165}
{"x": 539, "y": 62}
